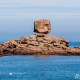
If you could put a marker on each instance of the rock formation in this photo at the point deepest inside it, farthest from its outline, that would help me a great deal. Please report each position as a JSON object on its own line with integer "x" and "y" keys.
{"x": 42, "y": 26}
{"x": 39, "y": 44}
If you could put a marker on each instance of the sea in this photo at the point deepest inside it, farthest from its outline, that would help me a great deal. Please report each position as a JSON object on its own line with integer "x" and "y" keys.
{"x": 40, "y": 67}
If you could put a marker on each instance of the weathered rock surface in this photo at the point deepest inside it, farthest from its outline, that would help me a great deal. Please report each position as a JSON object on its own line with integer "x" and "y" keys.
{"x": 39, "y": 44}
{"x": 36, "y": 44}
{"x": 42, "y": 26}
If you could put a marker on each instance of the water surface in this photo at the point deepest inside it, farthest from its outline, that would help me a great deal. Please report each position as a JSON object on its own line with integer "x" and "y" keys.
{"x": 39, "y": 68}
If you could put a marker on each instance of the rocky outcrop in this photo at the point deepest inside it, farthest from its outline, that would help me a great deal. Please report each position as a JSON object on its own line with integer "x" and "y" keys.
{"x": 42, "y": 26}
{"x": 65, "y": 42}
{"x": 75, "y": 51}
{"x": 39, "y": 44}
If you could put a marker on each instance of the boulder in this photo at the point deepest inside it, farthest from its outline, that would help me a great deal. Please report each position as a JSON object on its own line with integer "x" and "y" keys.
{"x": 23, "y": 40}
{"x": 65, "y": 42}
{"x": 52, "y": 39}
{"x": 42, "y": 26}
{"x": 75, "y": 51}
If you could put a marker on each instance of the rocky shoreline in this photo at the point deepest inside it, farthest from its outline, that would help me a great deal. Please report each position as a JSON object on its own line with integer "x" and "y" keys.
{"x": 39, "y": 44}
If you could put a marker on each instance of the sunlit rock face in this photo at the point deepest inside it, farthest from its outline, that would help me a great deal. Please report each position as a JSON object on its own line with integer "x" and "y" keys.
{"x": 42, "y": 26}
{"x": 39, "y": 44}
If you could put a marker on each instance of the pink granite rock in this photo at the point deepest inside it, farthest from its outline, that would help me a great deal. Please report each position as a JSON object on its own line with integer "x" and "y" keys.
{"x": 42, "y": 26}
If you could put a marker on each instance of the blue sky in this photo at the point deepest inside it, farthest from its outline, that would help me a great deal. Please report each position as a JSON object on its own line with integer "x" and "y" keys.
{"x": 17, "y": 17}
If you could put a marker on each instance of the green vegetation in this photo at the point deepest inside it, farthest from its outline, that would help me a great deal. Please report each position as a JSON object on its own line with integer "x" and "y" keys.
{"x": 39, "y": 42}
{"x": 46, "y": 45}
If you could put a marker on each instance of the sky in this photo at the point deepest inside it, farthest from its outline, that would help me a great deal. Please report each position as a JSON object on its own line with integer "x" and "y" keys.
{"x": 17, "y": 18}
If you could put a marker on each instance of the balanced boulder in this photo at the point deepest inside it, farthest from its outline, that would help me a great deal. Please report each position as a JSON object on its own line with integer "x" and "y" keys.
{"x": 42, "y": 26}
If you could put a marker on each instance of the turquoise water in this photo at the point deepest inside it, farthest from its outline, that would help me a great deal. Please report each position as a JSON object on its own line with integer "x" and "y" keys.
{"x": 39, "y": 68}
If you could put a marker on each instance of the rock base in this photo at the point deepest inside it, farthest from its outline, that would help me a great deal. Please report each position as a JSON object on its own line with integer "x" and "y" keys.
{"x": 38, "y": 44}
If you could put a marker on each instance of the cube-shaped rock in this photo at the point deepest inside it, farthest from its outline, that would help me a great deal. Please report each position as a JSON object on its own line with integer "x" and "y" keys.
{"x": 42, "y": 26}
